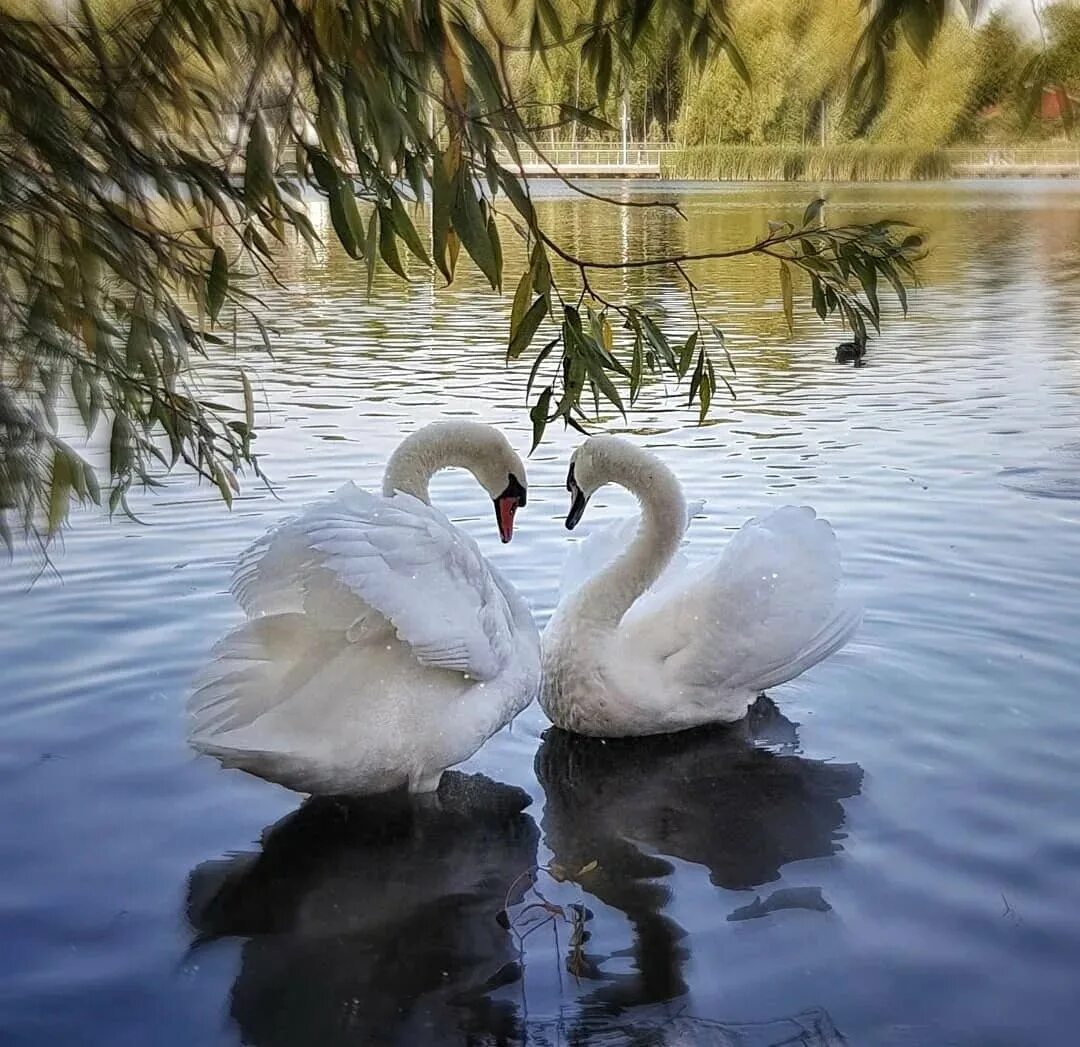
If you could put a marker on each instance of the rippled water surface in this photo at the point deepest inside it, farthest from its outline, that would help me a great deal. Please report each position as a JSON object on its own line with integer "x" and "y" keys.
{"x": 892, "y": 854}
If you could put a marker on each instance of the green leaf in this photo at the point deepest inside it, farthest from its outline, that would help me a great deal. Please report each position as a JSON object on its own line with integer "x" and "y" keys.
{"x": 217, "y": 284}
{"x": 897, "y": 283}
{"x": 723, "y": 346}
{"x": 388, "y": 249}
{"x": 515, "y": 193}
{"x": 818, "y": 295}
{"x": 539, "y": 416}
{"x": 249, "y": 401}
{"x": 343, "y": 214}
{"x": 589, "y": 352}
{"x": 523, "y": 334}
{"x": 258, "y": 164}
{"x": 496, "y": 251}
{"x": 637, "y": 367}
{"x": 658, "y": 341}
{"x": 222, "y": 476}
{"x": 705, "y": 392}
{"x": 93, "y": 488}
{"x": 540, "y": 269}
{"x": 521, "y": 301}
{"x": 59, "y": 491}
{"x": 404, "y": 227}
{"x": 603, "y": 66}
{"x": 786, "y": 294}
{"x": 471, "y": 226}
{"x": 868, "y": 278}
{"x": 371, "y": 247}
{"x": 541, "y": 356}
{"x": 687, "y": 354}
{"x": 736, "y": 59}
{"x": 441, "y": 200}
{"x": 572, "y": 114}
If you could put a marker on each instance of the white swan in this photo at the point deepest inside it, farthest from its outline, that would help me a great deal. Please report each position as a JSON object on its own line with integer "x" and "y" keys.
{"x": 639, "y": 650}
{"x": 381, "y": 647}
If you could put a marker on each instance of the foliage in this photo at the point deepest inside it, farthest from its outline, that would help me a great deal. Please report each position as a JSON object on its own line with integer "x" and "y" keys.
{"x": 847, "y": 162}
{"x": 156, "y": 152}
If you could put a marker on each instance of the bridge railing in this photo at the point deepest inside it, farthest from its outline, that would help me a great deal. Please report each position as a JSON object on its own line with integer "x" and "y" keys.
{"x": 1035, "y": 155}
{"x": 604, "y": 155}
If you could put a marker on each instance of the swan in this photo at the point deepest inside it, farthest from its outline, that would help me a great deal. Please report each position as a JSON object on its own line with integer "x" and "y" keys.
{"x": 640, "y": 650}
{"x": 381, "y": 647}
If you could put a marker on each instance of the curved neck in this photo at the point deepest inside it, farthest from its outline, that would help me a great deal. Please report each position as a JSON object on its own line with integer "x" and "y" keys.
{"x": 420, "y": 456}
{"x": 609, "y": 594}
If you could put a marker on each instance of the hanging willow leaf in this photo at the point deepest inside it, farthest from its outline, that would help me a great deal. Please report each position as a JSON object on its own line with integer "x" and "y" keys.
{"x": 786, "y": 293}
{"x": 59, "y": 491}
{"x": 572, "y": 114}
{"x": 258, "y": 164}
{"x": 404, "y": 228}
{"x": 538, "y": 414}
{"x": 388, "y": 249}
{"x": 217, "y": 284}
{"x": 442, "y": 178}
{"x": 523, "y": 334}
{"x": 144, "y": 205}
{"x": 471, "y": 226}
{"x": 521, "y": 301}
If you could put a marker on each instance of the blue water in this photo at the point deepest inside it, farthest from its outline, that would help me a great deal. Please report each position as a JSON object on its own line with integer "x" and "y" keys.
{"x": 913, "y": 798}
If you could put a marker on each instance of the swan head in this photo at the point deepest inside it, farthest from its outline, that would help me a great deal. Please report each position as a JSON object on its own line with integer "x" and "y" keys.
{"x": 479, "y": 448}
{"x": 590, "y": 469}
{"x": 500, "y": 471}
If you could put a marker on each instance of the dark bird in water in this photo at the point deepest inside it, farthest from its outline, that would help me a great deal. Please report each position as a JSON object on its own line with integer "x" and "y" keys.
{"x": 852, "y": 352}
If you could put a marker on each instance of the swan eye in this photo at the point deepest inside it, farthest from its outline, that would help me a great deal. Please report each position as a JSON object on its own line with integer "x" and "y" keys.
{"x": 515, "y": 489}
{"x": 571, "y": 483}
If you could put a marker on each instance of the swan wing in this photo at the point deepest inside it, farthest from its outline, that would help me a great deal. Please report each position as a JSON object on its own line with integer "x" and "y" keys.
{"x": 760, "y": 614}
{"x": 601, "y": 545}
{"x": 357, "y": 553}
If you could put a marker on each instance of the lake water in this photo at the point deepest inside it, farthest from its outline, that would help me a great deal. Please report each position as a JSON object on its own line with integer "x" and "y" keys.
{"x": 891, "y": 855}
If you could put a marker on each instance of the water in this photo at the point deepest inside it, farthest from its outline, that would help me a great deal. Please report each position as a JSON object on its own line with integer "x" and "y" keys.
{"x": 893, "y": 855}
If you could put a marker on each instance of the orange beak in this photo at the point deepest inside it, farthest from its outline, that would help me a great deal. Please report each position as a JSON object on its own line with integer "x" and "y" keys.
{"x": 506, "y": 505}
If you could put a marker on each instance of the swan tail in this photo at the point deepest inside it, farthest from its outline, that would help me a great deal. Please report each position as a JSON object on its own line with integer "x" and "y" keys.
{"x": 839, "y": 629}
{"x": 766, "y": 610}
{"x": 251, "y": 671}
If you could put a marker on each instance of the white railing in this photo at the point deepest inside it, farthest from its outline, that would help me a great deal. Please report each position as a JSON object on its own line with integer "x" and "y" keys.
{"x": 634, "y": 154}
{"x": 1047, "y": 156}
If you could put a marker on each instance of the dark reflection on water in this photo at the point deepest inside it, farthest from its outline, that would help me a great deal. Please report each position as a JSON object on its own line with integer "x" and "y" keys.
{"x": 709, "y": 796}
{"x": 381, "y": 921}
{"x": 374, "y": 921}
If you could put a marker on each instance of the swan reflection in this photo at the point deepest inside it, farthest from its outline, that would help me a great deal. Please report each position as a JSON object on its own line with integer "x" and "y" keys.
{"x": 374, "y": 922}
{"x": 711, "y": 796}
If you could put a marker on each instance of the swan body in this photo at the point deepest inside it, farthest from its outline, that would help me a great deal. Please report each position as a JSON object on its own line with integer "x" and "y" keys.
{"x": 651, "y": 644}
{"x": 380, "y": 646}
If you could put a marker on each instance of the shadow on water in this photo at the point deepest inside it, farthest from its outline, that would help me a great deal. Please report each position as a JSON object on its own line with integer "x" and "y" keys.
{"x": 712, "y": 796}
{"x": 376, "y": 921}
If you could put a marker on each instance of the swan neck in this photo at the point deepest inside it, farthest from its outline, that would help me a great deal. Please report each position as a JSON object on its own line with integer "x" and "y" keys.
{"x": 411, "y": 467}
{"x": 442, "y": 445}
{"x": 612, "y": 592}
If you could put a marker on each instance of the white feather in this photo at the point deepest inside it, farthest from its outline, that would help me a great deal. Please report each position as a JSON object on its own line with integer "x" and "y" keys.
{"x": 381, "y": 648}
{"x": 651, "y": 643}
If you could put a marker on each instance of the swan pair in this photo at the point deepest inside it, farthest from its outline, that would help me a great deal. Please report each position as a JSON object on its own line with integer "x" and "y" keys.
{"x": 381, "y": 647}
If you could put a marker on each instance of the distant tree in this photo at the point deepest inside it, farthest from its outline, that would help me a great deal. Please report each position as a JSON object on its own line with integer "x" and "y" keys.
{"x": 155, "y": 153}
